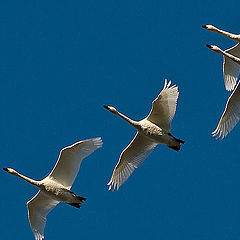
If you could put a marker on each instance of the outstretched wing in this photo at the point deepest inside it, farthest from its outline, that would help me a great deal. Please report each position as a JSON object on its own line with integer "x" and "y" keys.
{"x": 164, "y": 106}
{"x": 38, "y": 208}
{"x": 70, "y": 158}
{"x": 131, "y": 157}
{"x": 231, "y": 69}
{"x": 230, "y": 116}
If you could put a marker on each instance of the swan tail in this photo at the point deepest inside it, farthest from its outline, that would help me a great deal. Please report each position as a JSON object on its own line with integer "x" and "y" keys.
{"x": 177, "y": 143}
{"x": 78, "y": 202}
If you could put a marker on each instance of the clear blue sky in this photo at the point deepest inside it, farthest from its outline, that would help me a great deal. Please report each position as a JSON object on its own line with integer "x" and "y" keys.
{"x": 61, "y": 61}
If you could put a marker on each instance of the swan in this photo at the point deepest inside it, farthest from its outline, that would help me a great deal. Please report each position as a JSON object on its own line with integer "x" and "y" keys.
{"x": 151, "y": 131}
{"x": 231, "y": 69}
{"x": 231, "y": 114}
{"x": 56, "y": 186}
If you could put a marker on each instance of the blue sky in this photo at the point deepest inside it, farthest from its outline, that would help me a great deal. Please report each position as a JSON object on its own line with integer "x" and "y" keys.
{"x": 61, "y": 61}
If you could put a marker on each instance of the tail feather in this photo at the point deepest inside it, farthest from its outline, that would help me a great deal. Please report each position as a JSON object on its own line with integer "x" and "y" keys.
{"x": 178, "y": 143}
{"x": 81, "y": 199}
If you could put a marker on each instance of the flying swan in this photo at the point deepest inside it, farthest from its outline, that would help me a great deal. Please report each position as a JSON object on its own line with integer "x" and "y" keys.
{"x": 56, "y": 186}
{"x": 230, "y": 68}
{"x": 151, "y": 131}
{"x": 231, "y": 114}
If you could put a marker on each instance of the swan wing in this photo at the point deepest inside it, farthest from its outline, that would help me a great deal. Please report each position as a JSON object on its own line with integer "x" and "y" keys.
{"x": 230, "y": 116}
{"x": 38, "y": 208}
{"x": 70, "y": 158}
{"x": 164, "y": 106}
{"x": 131, "y": 157}
{"x": 231, "y": 69}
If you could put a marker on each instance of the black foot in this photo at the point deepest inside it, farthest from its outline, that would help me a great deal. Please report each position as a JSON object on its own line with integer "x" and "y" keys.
{"x": 174, "y": 148}
{"x": 82, "y": 198}
{"x": 77, "y": 205}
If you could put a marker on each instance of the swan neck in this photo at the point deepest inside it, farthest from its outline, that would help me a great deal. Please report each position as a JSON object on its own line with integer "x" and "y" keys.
{"x": 232, "y": 57}
{"x": 227, "y": 34}
{"x": 27, "y": 179}
{"x": 129, "y": 120}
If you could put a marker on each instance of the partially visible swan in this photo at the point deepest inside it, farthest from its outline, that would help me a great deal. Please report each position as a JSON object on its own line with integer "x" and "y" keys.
{"x": 56, "y": 186}
{"x": 231, "y": 69}
{"x": 231, "y": 114}
{"x": 151, "y": 131}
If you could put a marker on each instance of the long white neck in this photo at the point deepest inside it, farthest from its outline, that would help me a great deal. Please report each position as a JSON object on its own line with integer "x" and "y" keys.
{"x": 235, "y": 59}
{"x": 33, "y": 182}
{"x": 129, "y": 120}
{"x": 232, "y": 36}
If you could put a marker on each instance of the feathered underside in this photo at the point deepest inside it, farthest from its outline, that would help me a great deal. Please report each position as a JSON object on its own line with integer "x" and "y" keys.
{"x": 231, "y": 69}
{"x": 230, "y": 116}
{"x": 131, "y": 157}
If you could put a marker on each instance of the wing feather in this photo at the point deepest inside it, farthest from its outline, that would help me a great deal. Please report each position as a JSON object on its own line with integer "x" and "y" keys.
{"x": 38, "y": 208}
{"x": 230, "y": 116}
{"x": 164, "y": 106}
{"x": 231, "y": 69}
{"x": 131, "y": 157}
{"x": 70, "y": 158}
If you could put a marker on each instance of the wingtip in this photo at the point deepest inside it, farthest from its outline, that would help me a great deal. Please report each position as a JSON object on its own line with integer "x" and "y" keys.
{"x": 167, "y": 84}
{"x": 112, "y": 186}
{"x": 217, "y": 135}
{"x": 109, "y": 186}
{"x": 98, "y": 141}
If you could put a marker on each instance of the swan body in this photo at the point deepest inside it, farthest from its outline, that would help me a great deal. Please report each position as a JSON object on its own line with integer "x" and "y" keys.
{"x": 55, "y": 188}
{"x": 231, "y": 68}
{"x": 156, "y": 134}
{"x": 58, "y": 192}
{"x": 151, "y": 131}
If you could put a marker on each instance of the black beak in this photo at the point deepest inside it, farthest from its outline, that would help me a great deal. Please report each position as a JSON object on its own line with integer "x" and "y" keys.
{"x": 204, "y": 26}
{"x": 209, "y": 46}
{"x": 5, "y": 169}
{"x": 105, "y": 106}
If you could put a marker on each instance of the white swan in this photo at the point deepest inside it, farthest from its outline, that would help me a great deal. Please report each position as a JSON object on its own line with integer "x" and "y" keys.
{"x": 56, "y": 186}
{"x": 231, "y": 69}
{"x": 151, "y": 131}
{"x": 231, "y": 114}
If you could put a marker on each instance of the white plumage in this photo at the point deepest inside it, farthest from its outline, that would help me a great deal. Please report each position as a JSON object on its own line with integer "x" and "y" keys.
{"x": 152, "y": 130}
{"x": 231, "y": 69}
{"x": 230, "y": 116}
{"x": 56, "y": 186}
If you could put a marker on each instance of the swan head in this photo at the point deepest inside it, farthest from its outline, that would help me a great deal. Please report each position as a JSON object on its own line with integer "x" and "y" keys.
{"x": 11, "y": 171}
{"x": 214, "y": 48}
{"x": 111, "y": 109}
{"x": 209, "y": 27}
